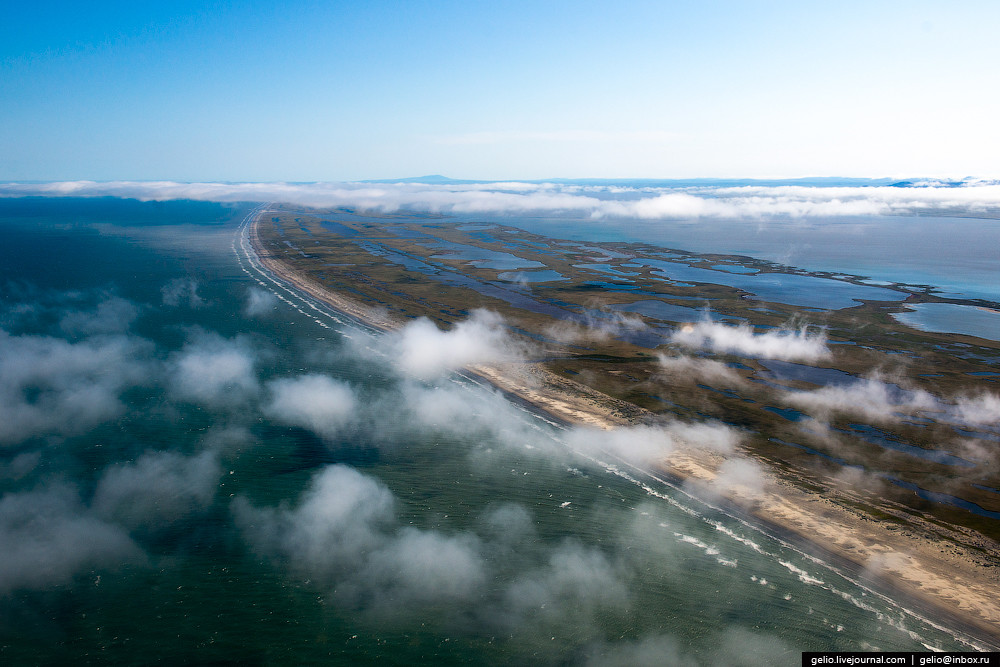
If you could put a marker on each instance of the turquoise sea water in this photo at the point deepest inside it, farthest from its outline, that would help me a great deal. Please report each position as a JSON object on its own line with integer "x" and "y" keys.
{"x": 171, "y": 492}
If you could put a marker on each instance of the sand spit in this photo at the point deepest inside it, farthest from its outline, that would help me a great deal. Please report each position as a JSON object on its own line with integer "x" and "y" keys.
{"x": 947, "y": 582}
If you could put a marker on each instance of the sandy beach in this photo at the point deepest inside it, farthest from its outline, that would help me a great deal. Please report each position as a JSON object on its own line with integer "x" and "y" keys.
{"x": 947, "y": 575}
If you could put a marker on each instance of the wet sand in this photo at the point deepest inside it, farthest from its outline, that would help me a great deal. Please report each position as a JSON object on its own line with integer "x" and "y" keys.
{"x": 917, "y": 565}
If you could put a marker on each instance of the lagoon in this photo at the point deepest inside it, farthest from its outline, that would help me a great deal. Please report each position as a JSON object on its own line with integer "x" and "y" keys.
{"x": 952, "y": 318}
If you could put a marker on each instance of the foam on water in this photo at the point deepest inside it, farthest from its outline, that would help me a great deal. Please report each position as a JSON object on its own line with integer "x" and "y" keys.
{"x": 803, "y": 576}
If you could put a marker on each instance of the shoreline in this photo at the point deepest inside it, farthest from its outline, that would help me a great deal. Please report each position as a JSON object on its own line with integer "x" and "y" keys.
{"x": 937, "y": 579}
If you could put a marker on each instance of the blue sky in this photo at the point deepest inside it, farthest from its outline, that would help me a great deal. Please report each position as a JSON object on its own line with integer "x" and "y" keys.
{"x": 502, "y": 90}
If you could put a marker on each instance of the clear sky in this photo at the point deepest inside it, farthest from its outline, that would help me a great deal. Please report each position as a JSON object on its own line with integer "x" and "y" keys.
{"x": 497, "y": 90}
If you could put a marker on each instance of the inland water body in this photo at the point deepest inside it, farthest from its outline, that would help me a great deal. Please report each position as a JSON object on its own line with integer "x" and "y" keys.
{"x": 956, "y": 257}
{"x": 200, "y": 466}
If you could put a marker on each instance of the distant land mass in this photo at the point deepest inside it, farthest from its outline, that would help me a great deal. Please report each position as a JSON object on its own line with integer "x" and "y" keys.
{"x": 818, "y": 181}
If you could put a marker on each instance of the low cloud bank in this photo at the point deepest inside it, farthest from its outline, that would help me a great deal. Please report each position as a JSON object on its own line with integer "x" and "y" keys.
{"x": 158, "y": 488}
{"x": 883, "y": 401}
{"x": 182, "y": 291}
{"x": 315, "y": 402}
{"x": 573, "y": 585}
{"x": 113, "y": 315}
{"x": 422, "y": 350}
{"x": 213, "y": 370}
{"x": 741, "y": 477}
{"x": 785, "y": 344}
{"x": 259, "y": 302}
{"x": 872, "y": 397}
{"x": 643, "y": 445}
{"x": 587, "y": 201}
{"x": 344, "y": 533}
{"x": 710, "y": 370}
{"x": 979, "y": 410}
{"x": 51, "y": 386}
{"x": 478, "y": 415}
{"x": 595, "y": 326}
{"x": 638, "y": 445}
{"x": 48, "y": 537}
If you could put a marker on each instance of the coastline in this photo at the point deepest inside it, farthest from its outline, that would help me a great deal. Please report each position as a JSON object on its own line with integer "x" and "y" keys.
{"x": 939, "y": 579}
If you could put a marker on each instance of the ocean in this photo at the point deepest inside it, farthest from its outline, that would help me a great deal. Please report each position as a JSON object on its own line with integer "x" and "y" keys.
{"x": 198, "y": 465}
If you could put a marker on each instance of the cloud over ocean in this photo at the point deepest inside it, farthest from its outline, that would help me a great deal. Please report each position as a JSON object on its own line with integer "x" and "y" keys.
{"x": 576, "y": 199}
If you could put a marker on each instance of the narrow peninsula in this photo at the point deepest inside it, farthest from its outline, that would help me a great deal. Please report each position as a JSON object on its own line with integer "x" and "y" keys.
{"x": 871, "y": 452}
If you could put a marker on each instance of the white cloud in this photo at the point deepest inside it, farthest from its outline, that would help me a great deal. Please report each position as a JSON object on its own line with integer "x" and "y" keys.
{"x": 483, "y": 415}
{"x": 883, "y": 401}
{"x": 648, "y": 202}
{"x": 344, "y": 535}
{"x": 977, "y": 450}
{"x": 182, "y": 291}
{"x": 229, "y": 439}
{"x": 422, "y": 350}
{"x": 643, "y": 445}
{"x": 50, "y": 386}
{"x": 509, "y": 524}
{"x": 639, "y": 445}
{"x": 341, "y": 518}
{"x": 574, "y": 583}
{"x": 259, "y": 302}
{"x": 705, "y": 435}
{"x": 475, "y": 414}
{"x": 871, "y": 397}
{"x": 788, "y": 344}
{"x": 740, "y": 477}
{"x": 448, "y": 406}
{"x": 213, "y": 370}
{"x": 112, "y": 315}
{"x": 315, "y": 402}
{"x": 422, "y": 567}
{"x": 47, "y": 537}
{"x": 20, "y": 466}
{"x": 980, "y": 410}
{"x": 694, "y": 368}
{"x": 599, "y": 325}
{"x": 344, "y": 532}
{"x": 159, "y": 487}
